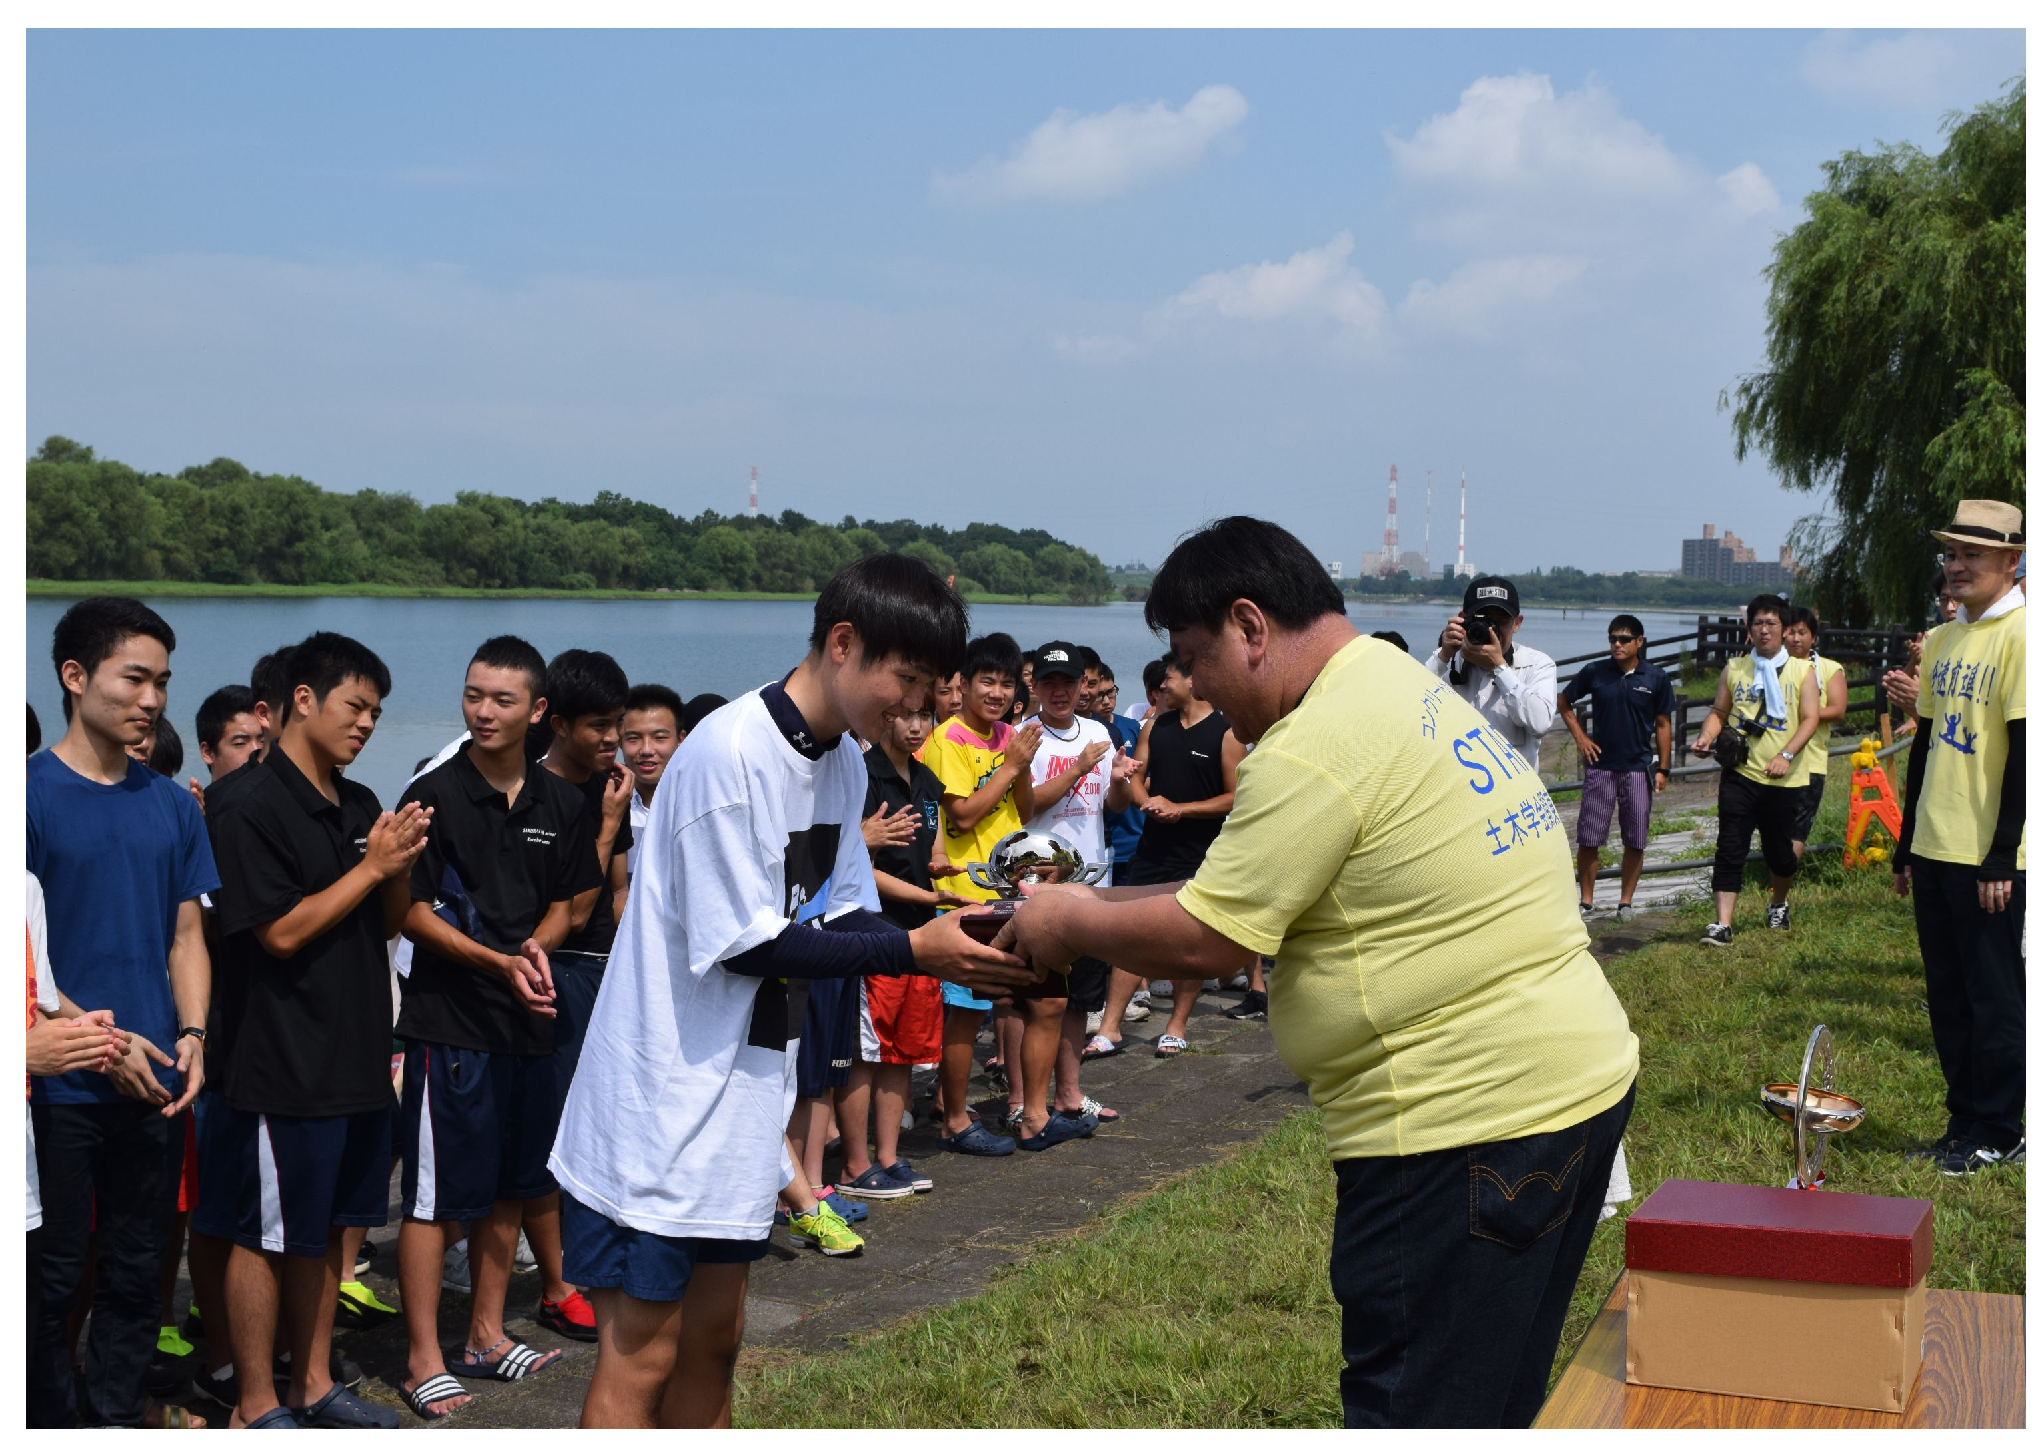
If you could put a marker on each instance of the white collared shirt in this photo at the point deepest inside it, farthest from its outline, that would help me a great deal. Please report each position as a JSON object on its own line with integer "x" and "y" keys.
{"x": 1518, "y": 699}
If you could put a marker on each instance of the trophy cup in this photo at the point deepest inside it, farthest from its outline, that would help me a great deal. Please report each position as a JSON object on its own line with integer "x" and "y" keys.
{"x": 1812, "y": 1109}
{"x": 1019, "y": 862}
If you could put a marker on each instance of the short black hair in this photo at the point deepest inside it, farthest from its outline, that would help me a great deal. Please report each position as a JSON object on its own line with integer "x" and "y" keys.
{"x": 695, "y": 711}
{"x": 1240, "y": 557}
{"x": 166, "y": 749}
{"x": 647, "y": 695}
{"x": 1626, "y": 622}
{"x": 512, "y": 653}
{"x": 93, "y": 629}
{"x": 216, "y": 711}
{"x": 1802, "y": 617}
{"x": 1155, "y": 673}
{"x": 993, "y": 652}
{"x": 269, "y": 681}
{"x": 1102, "y": 671}
{"x": 1937, "y": 584}
{"x": 580, "y": 684}
{"x": 899, "y": 607}
{"x": 34, "y": 731}
{"x": 1088, "y": 655}
{"x": 1394, "y": 638}
{"x": 1767, "y": 602}
{"x": 324, "y": 660}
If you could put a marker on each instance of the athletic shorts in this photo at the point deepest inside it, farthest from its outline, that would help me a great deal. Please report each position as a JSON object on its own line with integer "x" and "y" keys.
{"x": 827, "y": 1046}
{"x": 577, "y": 977}
{"x": 1088, "y": 985}
{"x": 601, "y": 1254}
{"x": 300, "y": 1179}
{"x": 218, "y": 1166}
{"x": 1603, "y": 790}
{"x": 184, "y": 1148}
{"x": 1807, "y": 806}
{"x": 477, "y": 1127}
{"x": 901, "y": 1020}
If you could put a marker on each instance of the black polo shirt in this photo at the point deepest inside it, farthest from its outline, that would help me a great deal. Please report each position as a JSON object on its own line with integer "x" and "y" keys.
{"x": 312, "y": 1039}
{"x": 598, "y": 934}
{"x": 913, "y": 861}
{"x": 514, "y": 863}
{"x": 229, "y": 986}
{"x": 1623, "y": 706}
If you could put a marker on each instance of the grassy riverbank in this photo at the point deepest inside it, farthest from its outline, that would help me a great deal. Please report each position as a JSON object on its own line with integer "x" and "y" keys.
{"x": 46, "y": 587}
{"x": 1206, "y": 1303}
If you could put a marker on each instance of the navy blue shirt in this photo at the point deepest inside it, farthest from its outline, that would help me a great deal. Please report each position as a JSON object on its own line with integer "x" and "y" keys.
{"x": 1122, "y": 830}
{"x": 115, "y": 862}
{"x": 1623, "y": 706}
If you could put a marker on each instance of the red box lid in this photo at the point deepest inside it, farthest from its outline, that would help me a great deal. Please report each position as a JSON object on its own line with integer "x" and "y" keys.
{"x": 1689, "y": 1226}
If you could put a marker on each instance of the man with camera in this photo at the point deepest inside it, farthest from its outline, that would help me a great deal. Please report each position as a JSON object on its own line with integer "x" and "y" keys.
{"x": 1512, "y": 686}
{"x": 1768, "y": 706}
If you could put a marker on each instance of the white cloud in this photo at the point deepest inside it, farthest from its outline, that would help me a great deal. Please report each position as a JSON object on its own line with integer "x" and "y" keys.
{"x": 1478, "y": 293}
{"x": 1074, "y": 157}
{"x": 1921, "y": 69}
{"x": 1513, "y": 131}
{"x": 1747, "y": 190}
{"x": 1314, "y": 285}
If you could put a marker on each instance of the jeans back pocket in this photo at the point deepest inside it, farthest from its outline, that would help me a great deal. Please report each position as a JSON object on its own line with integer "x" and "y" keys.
{"x": 1522, "y": 1188}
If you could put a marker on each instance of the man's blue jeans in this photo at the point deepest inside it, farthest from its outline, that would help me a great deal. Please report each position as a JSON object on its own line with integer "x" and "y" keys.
{"x": 1454, "y": 1272}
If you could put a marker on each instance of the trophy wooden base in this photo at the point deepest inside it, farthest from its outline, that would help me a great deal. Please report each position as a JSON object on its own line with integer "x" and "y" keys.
{"x": 983, "y": 928}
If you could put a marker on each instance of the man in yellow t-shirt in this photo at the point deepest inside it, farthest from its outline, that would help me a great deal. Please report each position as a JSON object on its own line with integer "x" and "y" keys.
{"x": 1964, "y": 841}
{"x": 1833, "y": 697}
{"x": 1771, "y": 701}
{"x": 1433, "y": 985}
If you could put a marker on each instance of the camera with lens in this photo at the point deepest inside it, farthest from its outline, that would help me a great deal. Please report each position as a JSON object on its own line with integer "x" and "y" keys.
{"x": 1478, "y": 632}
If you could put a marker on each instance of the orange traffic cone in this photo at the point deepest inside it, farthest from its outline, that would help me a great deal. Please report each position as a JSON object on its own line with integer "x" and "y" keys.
{"x": 1872, "y": 800}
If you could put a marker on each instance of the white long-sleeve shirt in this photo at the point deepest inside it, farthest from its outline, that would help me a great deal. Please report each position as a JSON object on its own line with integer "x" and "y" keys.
{"x": 1518, "y": 699}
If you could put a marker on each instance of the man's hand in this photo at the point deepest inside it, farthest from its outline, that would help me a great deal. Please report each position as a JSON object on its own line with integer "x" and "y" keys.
{"x": 1994, "y": 894}
{"x": 132, "y": 1076}
{"x": 1777, "y": 766}
{"x": 943, "y": 949}
{"x": 1488, "y": 655}
{"x": 1090, "y": 756}
{"x": 1701, "y": 746}
{"x": 885, "y": 829}
{"x": 395, "y": 840}
{"x": 1588, "y": 748}
{"x": 1024, "y": 745}
{"x": 1660, "y": 781}
{"x": 529, "y": 977}
{"x": 1452, "y": 638}
{"x": 1042, "y": 938}
{"x": 945, "y": 898}
{"x": 1164, "y": 809}
{"x": 1123, "y": 767}
{"x": 1902, "y": 688}
{"x": 191, "y": 1064}
{"x": 1900, "y": 883}
{"x": 87, "y": 1044}
{"x": 615, "y": 801}
{"x": 197, "y": 792}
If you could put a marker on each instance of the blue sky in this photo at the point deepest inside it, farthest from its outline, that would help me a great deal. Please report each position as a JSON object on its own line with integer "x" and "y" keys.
{"x": 1106, "y": 283}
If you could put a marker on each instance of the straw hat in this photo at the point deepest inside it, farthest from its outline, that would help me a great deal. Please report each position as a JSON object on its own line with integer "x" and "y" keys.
{"x": 1985, "y": 524}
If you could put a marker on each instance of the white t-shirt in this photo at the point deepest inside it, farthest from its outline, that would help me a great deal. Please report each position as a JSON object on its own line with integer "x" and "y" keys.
{"x": 1077, "y": 817}
{"x": 675, "y": 1120}
{"x": 46, "y": 1000}
{"x": 639, "y": 824}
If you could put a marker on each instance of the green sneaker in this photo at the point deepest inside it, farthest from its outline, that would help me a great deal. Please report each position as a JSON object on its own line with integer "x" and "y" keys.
{"x": 170, "y": 1341}
{"x": 825, "y": 1231}
{"x": 358, "y": 1305}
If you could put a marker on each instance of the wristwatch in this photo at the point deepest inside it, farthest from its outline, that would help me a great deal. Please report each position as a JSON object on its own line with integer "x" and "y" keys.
{"x": 191, "y": 1031}
{"x": 1786, "y": 756}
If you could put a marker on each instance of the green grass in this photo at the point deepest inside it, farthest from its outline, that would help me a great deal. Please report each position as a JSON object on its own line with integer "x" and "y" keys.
{"x": 47, "y": 587}
{"x": 1206, "y": 1303}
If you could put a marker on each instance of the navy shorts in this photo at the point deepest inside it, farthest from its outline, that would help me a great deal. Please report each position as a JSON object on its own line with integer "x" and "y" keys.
{"x": 832, "y": 1038}
{"x": 477, "y": 1127}
{"x": 577, "y": 977}
{"x": 300, "y": 1179}
{"x": 601, "y": 1254}
{"x": 218, "y": 1167}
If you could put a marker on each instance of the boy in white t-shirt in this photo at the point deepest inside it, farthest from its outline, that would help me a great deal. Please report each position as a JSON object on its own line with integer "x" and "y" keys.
{"x": 753, "y": 879}
{"x": 1077, "y": 773}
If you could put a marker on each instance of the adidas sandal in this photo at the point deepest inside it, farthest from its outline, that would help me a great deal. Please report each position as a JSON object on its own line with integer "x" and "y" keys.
{"x": 430, "y": 1392}
{"x": 514, "y": 1363}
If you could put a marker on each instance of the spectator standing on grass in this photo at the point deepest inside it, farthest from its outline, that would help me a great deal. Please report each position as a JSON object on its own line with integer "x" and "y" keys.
{"x": 1625, "y": 754}
{"x": 1511, "y": 684}
{"x": 122, "y": 857}
{"x": 1963, "y": 848}
{"x": 1771, "y": 702}
{"x": 1444, "y": 1039}
{"x": 1799, "y": 635}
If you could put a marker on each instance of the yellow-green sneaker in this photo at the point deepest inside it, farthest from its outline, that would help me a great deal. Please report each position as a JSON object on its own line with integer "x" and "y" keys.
{"x": 170, "y": 1341}
{"x": 358, "y": 1305}
{"x": 825, "y": 1231}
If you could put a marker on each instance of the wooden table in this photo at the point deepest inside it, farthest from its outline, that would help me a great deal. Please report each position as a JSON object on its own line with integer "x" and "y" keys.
{"x": 1973, "y": 1377}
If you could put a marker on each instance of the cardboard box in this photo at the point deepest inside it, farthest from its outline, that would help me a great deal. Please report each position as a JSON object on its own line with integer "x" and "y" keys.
{"x": 1779, "y": 1294}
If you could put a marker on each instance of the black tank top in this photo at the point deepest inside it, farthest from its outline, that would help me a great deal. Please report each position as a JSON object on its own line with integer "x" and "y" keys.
{"x": 1185, "y": 767}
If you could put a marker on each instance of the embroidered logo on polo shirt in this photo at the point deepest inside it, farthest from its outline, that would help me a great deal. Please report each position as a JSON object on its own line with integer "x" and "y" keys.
{"x": 539, "y": 835}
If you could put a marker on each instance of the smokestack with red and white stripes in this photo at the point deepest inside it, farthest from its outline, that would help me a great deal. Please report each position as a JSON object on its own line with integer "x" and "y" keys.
{"x": 1391, "y": 563}
{"x": 752, "y": 491}
{"x": 1462, "y": 521}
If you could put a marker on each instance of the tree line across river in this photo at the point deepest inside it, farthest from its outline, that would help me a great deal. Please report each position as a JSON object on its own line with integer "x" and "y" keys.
{"x": 92, "y": 519}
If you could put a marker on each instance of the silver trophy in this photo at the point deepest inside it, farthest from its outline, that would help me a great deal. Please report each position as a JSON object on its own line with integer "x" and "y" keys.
{"x": 1812, "y": 1109}
{"x": 1030, "y": 856}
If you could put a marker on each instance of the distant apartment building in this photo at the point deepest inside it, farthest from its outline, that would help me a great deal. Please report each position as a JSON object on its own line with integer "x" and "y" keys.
{"x": 1710, "y": 558}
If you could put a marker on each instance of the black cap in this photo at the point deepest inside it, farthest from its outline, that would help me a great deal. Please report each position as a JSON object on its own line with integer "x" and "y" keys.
{"x": 1489, "y": 592}
{"x": 1061, "y": 658}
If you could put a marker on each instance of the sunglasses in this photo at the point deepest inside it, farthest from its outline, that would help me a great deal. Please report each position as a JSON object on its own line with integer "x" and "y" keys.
{"x": 1619, "y": 639}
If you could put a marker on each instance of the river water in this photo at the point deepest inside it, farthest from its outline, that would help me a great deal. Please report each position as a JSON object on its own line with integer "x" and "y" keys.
{"x": 690, "y": 645}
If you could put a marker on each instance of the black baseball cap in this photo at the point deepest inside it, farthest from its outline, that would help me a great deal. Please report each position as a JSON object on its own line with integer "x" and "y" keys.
{"x": 1488, "y": 592}
{"x": 1057, "y": 658}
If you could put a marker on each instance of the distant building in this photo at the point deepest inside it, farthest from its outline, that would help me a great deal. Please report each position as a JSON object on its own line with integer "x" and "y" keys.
{"x": 1709, "y": 558}
{"x": 1411, "y": 563}
{"x": 1335, "y": 571}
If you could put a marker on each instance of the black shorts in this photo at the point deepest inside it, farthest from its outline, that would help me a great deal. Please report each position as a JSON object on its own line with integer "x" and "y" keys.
{"x": 832, "y": 1036}
{"x": 601, "y": 1254}
{"x": 477, "y": 1127}
{"x": 1088, "y": 985}
{"x": 300, "y": 1179}
{"x": 1807, "y": 806}
{"x": 577, "y": 977}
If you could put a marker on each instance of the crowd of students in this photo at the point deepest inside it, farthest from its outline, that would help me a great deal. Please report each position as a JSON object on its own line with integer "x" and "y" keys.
{"x": 286, "y": 989}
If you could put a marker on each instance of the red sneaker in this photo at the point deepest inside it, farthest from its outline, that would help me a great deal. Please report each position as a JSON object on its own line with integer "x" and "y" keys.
{"x": 572, "y": 1317}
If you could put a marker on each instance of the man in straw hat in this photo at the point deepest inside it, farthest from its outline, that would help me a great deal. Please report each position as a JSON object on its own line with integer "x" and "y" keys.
{"x": 1963, "y": 850}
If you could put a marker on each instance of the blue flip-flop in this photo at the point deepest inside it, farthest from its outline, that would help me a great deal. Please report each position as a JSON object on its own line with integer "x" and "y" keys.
{"x": 1059, "y": 1129}
{"x": 977, "y": 1140}
{"x": 341, "y": 1409}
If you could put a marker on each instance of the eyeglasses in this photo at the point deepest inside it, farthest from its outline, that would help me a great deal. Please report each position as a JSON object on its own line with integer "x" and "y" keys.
{"x": 1619, "y": 639}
